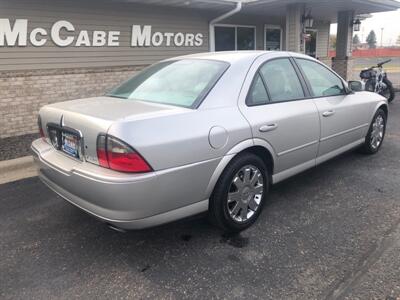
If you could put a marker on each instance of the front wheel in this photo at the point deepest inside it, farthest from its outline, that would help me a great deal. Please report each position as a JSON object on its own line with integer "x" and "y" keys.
{"x": 376, "y": 133}
{"x": 240, "y": 193}
{"x": 388, "y": 92}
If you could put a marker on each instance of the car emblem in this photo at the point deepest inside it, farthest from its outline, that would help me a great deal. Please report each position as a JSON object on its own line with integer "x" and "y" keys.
{"x": 62, "y": 121}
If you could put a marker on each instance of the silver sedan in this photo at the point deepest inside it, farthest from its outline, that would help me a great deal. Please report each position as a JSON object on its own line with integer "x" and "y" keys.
{"x": 207, "y": 132}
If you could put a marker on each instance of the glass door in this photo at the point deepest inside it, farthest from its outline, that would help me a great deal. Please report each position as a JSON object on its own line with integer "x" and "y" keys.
{"x": 272, "y": 38}
{"x": 311, "y": 43}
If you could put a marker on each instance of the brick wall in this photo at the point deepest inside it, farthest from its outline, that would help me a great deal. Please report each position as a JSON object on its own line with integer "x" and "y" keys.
{"x": 23, "y": 93}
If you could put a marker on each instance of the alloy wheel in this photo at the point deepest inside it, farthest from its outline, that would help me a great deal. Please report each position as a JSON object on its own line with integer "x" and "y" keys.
{"x": 245, "y": 193}
{"x": 378, "y": 129}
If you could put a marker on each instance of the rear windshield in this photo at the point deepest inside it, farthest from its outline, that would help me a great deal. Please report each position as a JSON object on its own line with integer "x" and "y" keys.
{"x": 180, "y": 82}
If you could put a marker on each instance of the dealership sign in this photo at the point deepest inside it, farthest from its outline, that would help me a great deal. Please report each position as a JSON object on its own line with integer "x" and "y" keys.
{"x": 64, "y": 34}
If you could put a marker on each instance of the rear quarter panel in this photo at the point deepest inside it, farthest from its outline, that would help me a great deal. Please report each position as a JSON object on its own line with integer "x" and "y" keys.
{"x": 183, "y": 139}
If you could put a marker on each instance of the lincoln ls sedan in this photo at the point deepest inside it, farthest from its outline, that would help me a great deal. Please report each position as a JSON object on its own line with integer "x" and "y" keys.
{"x": 205, "y": 132}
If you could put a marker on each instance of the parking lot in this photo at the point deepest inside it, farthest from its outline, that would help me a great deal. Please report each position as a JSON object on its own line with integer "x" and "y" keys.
{"x": 329, "y": 233}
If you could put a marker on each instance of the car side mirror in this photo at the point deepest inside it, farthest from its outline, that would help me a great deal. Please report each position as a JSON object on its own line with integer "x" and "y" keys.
{"x": 355, "y": 86}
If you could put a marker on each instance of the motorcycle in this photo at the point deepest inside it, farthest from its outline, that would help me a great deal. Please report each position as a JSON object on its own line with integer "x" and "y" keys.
{"x": 376, "y": 80}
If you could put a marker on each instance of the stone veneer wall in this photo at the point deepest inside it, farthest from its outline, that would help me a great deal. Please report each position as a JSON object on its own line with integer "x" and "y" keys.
{"x": 326, "y": 60}
{"x": 22, "y": 93}
{"x": 344, "y": 67}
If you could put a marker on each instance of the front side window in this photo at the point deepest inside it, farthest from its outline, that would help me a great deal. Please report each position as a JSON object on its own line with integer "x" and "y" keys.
{"x": 229, "y": 38}
{"x": 322, "y": 81}
{"x": 182, "y": 82}
{"x": 282, "y": 81}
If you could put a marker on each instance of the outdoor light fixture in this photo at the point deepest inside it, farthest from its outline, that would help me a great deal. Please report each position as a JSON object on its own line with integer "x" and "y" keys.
{"x": 356, "y": 25}
{"x": 308, "y": 20}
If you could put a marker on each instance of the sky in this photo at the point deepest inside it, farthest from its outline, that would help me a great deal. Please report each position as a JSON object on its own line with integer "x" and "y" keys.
{"x": 389, "y": 21}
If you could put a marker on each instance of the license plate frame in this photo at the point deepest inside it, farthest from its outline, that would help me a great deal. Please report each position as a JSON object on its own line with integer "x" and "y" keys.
{"x": 66, "y": 140}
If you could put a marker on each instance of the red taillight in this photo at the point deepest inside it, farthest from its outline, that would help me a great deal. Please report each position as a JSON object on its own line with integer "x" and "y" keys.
{"x": 41, "y": 132}
{"x": 102, "y": 151}
{"x": 117, "y": 155}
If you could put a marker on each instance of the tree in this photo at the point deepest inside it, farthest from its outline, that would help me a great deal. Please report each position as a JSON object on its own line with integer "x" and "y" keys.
{"x": 356, "y": 40}
{"x": 332, "y": 41}
{"x": 371, "y": 39}
{"x": 398, "y": 40}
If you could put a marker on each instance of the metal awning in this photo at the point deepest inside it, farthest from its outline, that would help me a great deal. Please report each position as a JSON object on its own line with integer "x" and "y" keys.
{"x": 215, "y": 5}
{"x": 325, "y": 10}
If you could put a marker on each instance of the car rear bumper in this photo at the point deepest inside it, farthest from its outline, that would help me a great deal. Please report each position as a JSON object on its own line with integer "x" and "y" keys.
{"x": 128, "y": 201}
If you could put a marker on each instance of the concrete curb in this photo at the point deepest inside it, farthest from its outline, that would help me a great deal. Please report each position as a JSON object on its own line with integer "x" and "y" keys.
{"x": 16, "y": 169}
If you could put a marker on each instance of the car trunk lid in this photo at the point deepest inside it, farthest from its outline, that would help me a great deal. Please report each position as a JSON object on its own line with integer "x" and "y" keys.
{"x": 93, "y": 116}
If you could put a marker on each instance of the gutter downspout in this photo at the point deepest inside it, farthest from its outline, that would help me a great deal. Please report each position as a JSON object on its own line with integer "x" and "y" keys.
{"x": 220, "y": 18}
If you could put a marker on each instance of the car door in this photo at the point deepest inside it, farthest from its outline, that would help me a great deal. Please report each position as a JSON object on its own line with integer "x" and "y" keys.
{"x": 342, "y": 114}
{"x": 279, "y": 113}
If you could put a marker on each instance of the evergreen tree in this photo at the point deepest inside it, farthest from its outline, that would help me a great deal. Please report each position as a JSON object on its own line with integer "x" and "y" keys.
{"x": 356, "y": 40}
{"x": 371, "y": 39}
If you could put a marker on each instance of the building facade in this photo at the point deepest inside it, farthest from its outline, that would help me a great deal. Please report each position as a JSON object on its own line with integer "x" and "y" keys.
{"x": 53, "y": 51}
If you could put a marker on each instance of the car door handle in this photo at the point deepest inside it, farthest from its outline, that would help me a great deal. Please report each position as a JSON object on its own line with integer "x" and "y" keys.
{"x": 269, "y": 127}
{"x": 328, "y": 113}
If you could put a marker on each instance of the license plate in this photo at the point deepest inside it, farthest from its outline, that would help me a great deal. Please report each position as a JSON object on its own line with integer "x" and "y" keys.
{"x": 70, "y": 144}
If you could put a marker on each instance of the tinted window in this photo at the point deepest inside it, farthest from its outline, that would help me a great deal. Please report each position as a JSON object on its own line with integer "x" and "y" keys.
{"x": 323, "y": 82}
{"x": 245, "y": 38}
{"x": 234, "y": 38}
{"x": 182, "y": 82}
{"x": 225, "y": 38}
{"x": 282, "y": 81}
{"x": 257, "y": 94}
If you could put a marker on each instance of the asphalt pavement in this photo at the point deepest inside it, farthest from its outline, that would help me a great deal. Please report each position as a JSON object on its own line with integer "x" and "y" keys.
{"x": 329, "y": 233}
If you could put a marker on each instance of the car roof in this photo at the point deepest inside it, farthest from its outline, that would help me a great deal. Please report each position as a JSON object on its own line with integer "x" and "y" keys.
{"x": 236, "y": 56}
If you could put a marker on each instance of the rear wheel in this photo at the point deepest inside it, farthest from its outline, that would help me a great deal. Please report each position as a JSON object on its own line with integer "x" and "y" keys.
{"x": 376, "y": 133}
{"x": 240, "y": 193}
{"x": 388, "y": 93}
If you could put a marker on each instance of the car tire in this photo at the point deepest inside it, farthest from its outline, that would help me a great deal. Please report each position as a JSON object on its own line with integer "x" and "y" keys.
{"x": 376, "y": 133}
{"x": 239, "y": 186}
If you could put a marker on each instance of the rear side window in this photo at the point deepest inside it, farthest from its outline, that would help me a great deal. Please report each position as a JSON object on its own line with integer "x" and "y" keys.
{"x": 282, "y": 81}
{"x": 257, "y": 94}
{"x": 322, "y": 81}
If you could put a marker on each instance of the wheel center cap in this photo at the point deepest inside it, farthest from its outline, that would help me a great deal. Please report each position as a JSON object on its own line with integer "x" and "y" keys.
{"x": 246, "y": 194}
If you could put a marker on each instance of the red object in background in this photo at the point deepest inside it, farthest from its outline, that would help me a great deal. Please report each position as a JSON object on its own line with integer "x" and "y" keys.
{"x": 379, "y": 52}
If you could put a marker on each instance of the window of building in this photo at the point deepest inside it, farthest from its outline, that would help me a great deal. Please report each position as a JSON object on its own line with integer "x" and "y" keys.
{"x": 282, "y": 81}
{"x": 233, "y": 37}
{"x": 272, "y": 38}
{"x": 323, "y": 82}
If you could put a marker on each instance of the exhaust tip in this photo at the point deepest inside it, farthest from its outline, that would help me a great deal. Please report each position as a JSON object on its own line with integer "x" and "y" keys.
{"x": 115, "y": 228}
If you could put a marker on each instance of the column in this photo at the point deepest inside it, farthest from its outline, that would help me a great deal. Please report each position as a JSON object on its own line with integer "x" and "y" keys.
{"x": 343, "y": 63}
